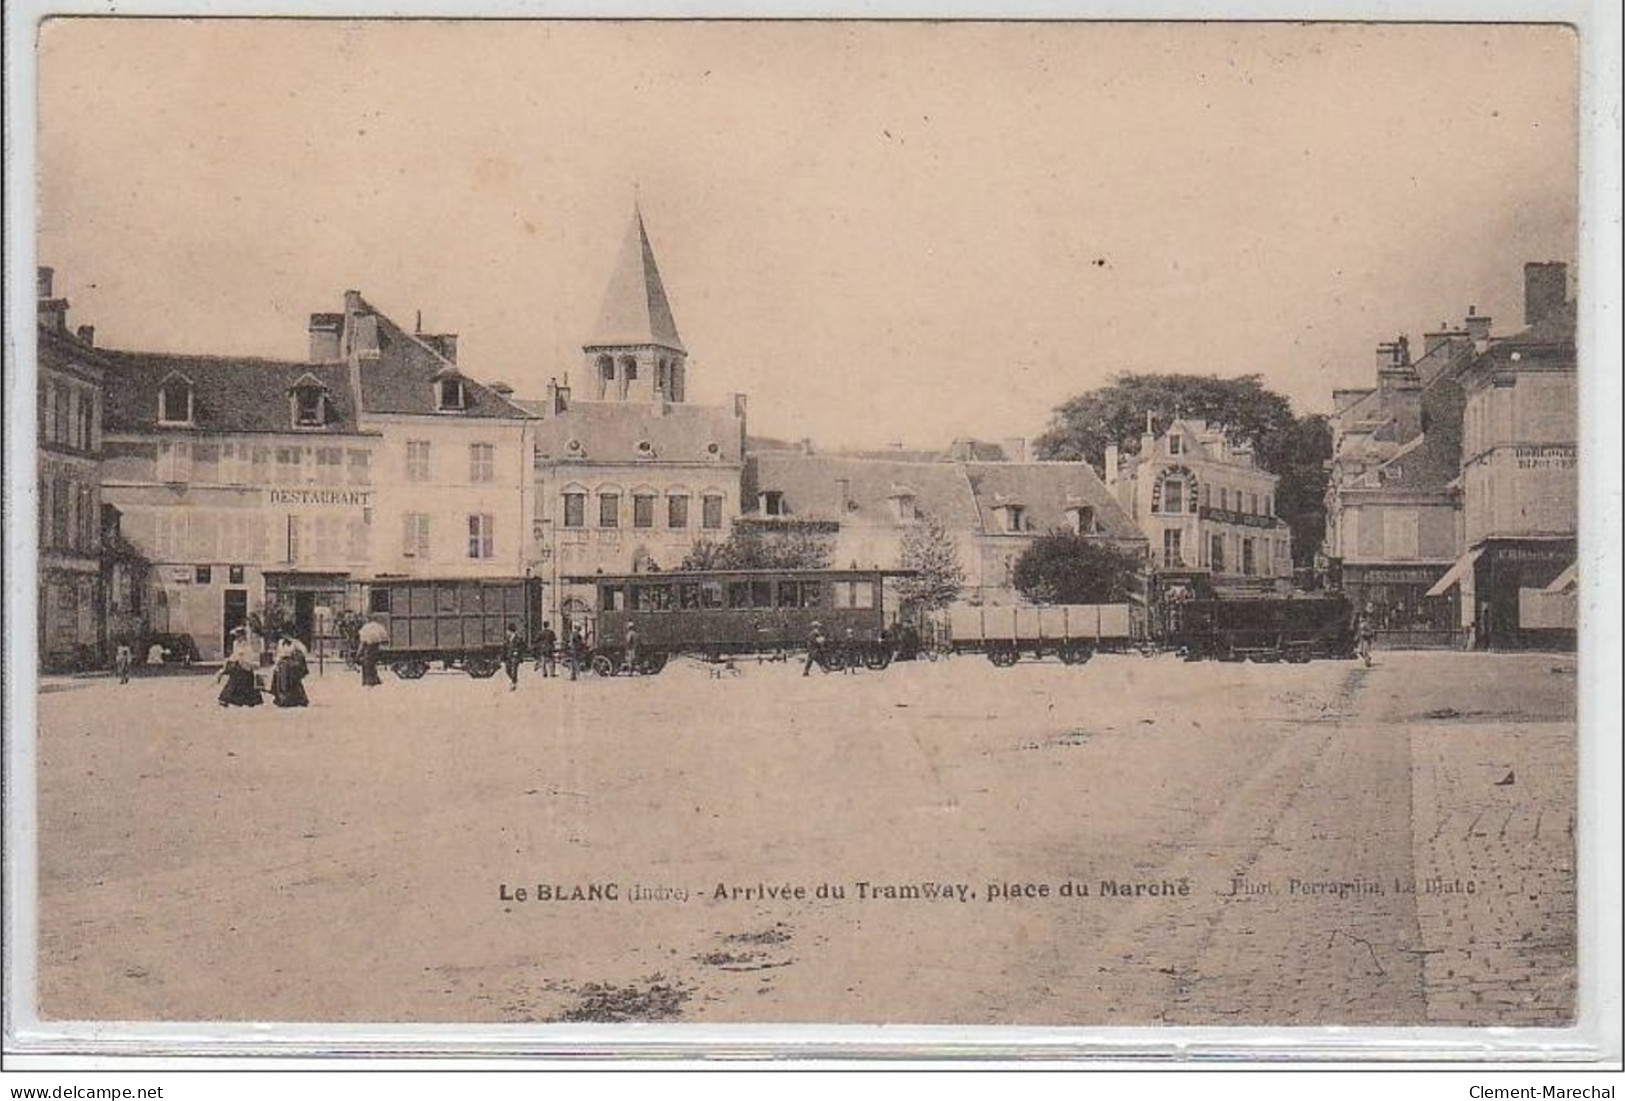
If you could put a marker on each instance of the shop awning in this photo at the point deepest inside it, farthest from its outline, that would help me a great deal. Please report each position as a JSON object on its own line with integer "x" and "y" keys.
{"x": 1568, "y": 579}
{"x": 1455, "y": 573}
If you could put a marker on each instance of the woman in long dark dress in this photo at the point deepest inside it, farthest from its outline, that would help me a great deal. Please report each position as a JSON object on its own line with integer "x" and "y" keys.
{"x": 288, "y": 680}
{"x": 241, "y": 689}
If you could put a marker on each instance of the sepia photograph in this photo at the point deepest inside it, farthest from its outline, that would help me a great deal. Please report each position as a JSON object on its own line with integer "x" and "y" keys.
{"x": 1072, "y": 525}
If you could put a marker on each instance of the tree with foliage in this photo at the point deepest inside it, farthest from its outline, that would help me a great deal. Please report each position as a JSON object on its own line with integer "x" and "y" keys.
{"x": 753, "y": 547}
{"x": 932, "y": 553}
{"x": 1292, "y": 448}
{"x": 1066, "y": 568}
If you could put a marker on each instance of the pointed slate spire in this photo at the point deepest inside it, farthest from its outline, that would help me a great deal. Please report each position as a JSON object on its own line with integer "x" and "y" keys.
{"x": 635, "y": 309}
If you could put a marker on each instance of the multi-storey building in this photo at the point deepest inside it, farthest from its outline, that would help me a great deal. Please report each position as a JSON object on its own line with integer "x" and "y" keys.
{"x": 993, "y": 511}
{"x": 1393, "y": 503}
{"x": 629, "y": 475}
{"x": 1518, "y": 476}
{"x": 72, "y": 607}
{"x": 273, "y": 486}
{"x": 1206, "y": 508}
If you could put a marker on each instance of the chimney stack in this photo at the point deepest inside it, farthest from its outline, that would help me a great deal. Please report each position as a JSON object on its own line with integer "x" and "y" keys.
{"x": 87, "y": 335}
{"x": 843, "y": 495}
{"x": 1111, "y": 464}
{"x": 1545, "y": 290}
{"x": 53, "y": 311}
{"x": 1477, "y": 326}
{"x": 326, "y": 332}
{"x": 1015, "y": 449}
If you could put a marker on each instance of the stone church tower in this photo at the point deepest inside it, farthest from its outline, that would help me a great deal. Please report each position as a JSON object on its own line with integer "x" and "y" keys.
{"x": 634, "y": 352}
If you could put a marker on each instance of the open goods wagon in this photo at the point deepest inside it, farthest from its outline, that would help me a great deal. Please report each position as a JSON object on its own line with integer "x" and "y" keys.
{"x": 459, "y": 623}
{"x": 1072, "y": 632}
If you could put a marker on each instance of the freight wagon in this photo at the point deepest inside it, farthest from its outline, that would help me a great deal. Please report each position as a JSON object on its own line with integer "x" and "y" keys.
{"x": 459, "y": 623}
{"x": 1072, "y": 632}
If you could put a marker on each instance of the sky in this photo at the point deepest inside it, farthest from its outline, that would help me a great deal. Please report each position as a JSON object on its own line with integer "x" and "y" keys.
{"x": 881, "y": 233}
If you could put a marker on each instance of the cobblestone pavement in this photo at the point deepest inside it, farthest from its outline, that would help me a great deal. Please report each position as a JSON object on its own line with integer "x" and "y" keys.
{"x": 1131, "y": 842}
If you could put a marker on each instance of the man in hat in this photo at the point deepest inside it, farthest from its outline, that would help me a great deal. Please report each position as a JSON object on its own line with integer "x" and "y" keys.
{"x": 513, "y": 652}
{"x": 815, "y": 647}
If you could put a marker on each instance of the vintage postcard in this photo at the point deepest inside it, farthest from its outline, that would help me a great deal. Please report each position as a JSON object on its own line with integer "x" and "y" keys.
{"x": 1053, "y": 524}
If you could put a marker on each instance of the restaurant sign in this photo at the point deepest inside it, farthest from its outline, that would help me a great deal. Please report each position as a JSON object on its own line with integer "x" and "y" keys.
{"x": 351, "y": 498}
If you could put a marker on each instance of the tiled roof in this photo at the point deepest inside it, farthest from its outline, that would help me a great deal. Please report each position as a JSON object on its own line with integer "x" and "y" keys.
{"x": 401, "y": 379}
{"x": 961, "y": 495}
{"x": 1046, "y": 491}
{"x": 610, "y": 431}
{"x": 229, "y": 393}
{"x": 635, "y": 309}
{"x": 811, "y": 485}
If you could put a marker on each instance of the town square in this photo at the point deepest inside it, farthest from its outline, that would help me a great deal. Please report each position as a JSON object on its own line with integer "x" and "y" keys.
{"x": 830, "y": 523}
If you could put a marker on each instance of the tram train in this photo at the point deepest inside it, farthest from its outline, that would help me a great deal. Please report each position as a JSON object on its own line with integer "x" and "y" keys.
{"x": 715, "y": 614}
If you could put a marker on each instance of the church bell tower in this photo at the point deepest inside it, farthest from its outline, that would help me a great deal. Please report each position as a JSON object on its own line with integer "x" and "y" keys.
{"x": 634, "y": 352}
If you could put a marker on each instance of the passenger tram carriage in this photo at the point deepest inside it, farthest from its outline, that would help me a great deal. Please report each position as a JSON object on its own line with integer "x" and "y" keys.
{"x": 718, "y": 614}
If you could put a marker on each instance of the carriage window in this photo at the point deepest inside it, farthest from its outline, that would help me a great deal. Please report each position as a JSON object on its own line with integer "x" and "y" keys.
{"x": 739, "y": 594}
{"x": 854, "y": 594}
{"x": 812, "y": 594}
{"x": 614, "y": 599}
{"x": 688, "y": 594}
{"x": 380, "y": 601}
{"x": 652, "y": 598}
{"x": 761, "y": 594}
{"x": 710, "y": 594}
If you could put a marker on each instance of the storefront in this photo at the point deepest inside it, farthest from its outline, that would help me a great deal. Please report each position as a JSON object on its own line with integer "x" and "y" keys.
{"x": 1503, "y": 573}
{"x": 1399, "y": 603}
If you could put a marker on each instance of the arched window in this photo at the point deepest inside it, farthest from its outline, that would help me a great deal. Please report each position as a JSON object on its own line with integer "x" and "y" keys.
{"x": 629, "y": 374}
{"x": 606, "y": 375}
{"x": 175, "y": 400}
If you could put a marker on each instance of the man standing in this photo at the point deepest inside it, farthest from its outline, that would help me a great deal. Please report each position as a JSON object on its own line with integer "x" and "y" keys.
{"x": 546, "y": 642}
{"x": 631, "y": 649}
{"x": 513, "y": 652}
{"x": 577, "y": 647}
{"x": 121, "y": 662}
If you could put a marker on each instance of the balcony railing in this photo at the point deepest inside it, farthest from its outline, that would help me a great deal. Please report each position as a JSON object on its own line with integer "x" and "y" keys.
{"x": 1245, "y": 519}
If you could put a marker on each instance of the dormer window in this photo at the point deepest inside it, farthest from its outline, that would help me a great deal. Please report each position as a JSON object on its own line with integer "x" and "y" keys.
{"x": 904, "y": 506}
{"x": 309, "y": 403}
{"x": 1013, "y": 517}
{"x": 1083, "y": 520}
{"x": 450, "y": 393}
{"x": 175, "y": 400}
{"x": 771, "y": 502}
{"x": 1176, "y": 445}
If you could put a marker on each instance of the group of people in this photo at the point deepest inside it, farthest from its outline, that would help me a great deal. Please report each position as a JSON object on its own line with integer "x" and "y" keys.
{"x": 545, "y": 651}
{"x": 240, "y": 672}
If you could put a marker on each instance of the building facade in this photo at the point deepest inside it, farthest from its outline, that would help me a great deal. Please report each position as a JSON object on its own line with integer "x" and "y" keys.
{"x": 1206, "y": 509}
{"x": 629, "y": 474}
{"x": 1393, "y": 499}
{"x": 276, "y": 489}
{"x": 1519, "y": 477}
{"x": 993, "y": 511}
{"x": 72, "y": 608}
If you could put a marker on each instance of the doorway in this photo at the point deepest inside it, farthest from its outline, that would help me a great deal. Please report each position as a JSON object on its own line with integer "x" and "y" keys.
{"x": 233, "y": 614}
{"x": 304, "y": 618}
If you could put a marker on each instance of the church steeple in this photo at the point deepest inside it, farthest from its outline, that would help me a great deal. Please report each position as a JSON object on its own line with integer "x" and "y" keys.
{"x": 634, "y": 352}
